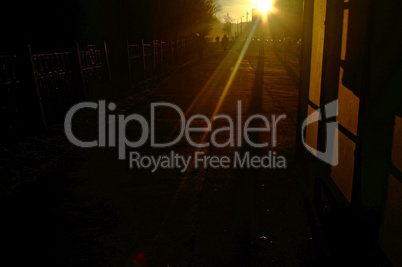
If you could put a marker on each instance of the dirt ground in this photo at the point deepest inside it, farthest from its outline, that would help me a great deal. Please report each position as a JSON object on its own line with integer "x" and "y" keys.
{"x": 68, "y": 206}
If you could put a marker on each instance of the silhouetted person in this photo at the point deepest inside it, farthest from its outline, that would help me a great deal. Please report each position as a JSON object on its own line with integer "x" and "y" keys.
{"x": 200, "y": 47}
{"x": 217, "y": 39}
{"x": 225, "y": 42}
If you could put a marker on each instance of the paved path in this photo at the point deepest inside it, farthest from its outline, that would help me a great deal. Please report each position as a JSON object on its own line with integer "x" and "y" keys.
{"x": 203, "y": 217}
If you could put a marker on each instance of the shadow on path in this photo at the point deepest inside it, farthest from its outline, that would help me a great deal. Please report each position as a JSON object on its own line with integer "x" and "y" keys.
{"x": 244, "y": 217}
{"x": 289, "y": 70}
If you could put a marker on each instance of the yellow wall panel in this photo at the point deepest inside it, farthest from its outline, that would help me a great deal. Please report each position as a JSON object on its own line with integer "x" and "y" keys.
{"x": 343, "y": 173}
{"x": 348, "y": 107}
{"x": 345, "y": 33}
{"x": 318, "y": 50}
{"x": 312, "y": 131}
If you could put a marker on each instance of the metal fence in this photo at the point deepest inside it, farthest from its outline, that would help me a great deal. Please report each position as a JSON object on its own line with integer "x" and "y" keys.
{"x": 56, "y": 84}
{"x": 134, "y": 63}
{"x": 53, "y": 79}
{"x": 148, "y": 60}
{"x": 92, "y": 63}
{"x": 10, "y": 105}
{"x": 64, "y": 78}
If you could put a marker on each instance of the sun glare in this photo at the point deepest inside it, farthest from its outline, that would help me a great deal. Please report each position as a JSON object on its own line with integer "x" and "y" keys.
{"x": 265, "y": 6}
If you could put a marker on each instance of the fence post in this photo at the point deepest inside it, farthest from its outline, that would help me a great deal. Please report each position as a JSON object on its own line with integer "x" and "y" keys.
{"x": 107, "y": 61}
{"x": 184, "y": 50}
{"x": 192, "y": 48}
{"x": 143, "y": 58}
{"x": 176, "y": 51}
{"x": 181, "y": 49}
{"x": 154, "y": 56}
{"x": 34, "y": 73}
{"x": 129, "y": 64}
{"x": 162, "y": 61}
{"x": 187, "y": 49}
{"x": 84, "y": 88}
{"x": 168, "y": 59}
{"x": 178, "y": 48}
{"x": 167, "y": 52}
{"x": 190, "y": 41}
{"x": 173, "y": 52}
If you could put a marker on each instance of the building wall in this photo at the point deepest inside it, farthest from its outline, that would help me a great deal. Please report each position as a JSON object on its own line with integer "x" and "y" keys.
{"x": 391, "y": 230}
{"x": 366, "y": 67}
{"x": 348, "y": 115}
{"x": 316, "y": 68}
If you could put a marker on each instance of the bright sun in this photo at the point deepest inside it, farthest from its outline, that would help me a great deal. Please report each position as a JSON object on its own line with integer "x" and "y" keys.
{"x": 265, "y": 6}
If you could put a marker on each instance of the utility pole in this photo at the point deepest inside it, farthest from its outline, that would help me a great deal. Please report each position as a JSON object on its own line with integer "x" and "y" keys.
{"x": 241, "y": 25}
{"x": 237, "y": 26}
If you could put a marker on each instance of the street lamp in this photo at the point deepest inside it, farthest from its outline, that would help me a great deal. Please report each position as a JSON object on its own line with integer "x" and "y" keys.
{"x": 241, "y": 25}
{"x": 248, "y": 13}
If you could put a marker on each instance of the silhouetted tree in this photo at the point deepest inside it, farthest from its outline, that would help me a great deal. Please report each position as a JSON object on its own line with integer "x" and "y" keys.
{"x": 227, "y": 26}
{"x": 55, "y": 25}
{"x": 178, "y": 18}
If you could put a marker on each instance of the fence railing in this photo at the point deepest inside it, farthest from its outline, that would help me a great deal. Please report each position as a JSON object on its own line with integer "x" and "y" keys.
{"x": 56, "y": 87}
{"x": 92, "y": 63}
{"x": 135, "y": 66}
{"x": 54, "y": 84}
{"x": 146, "y": 60}
{"x": 64, "y": 78}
